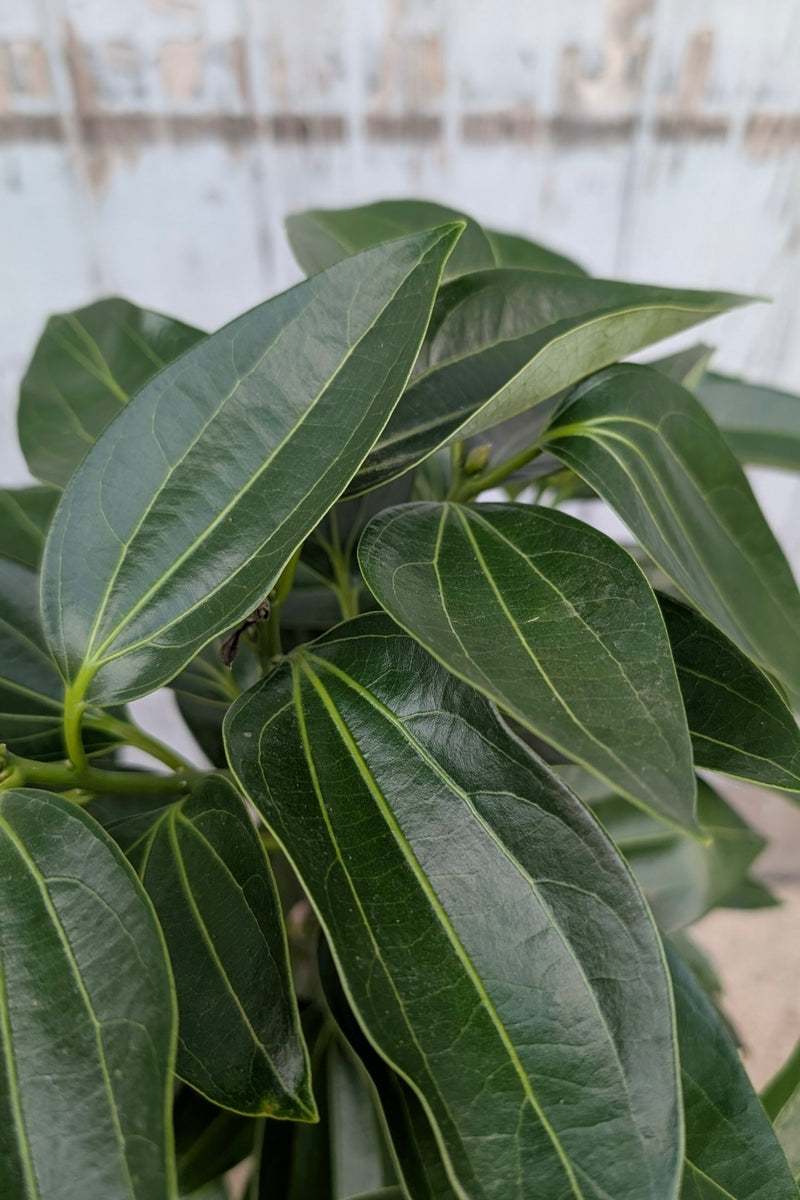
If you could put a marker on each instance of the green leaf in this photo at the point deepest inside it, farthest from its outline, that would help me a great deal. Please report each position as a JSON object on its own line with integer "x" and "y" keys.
{"x": 186, "y": 510}
{"x": 650, "y": 450}
{"x": 413, "y": 1140}
{"x": 760, "y": 424}
{"x": 31, "y": 689}
{"x": 513, "y": 250}
{"x": 85, "y": 368}
{"x": 739, "y": 722}
{"x": 555, "y": 623}
{"x": 501, "y": 342}
{"x": 127, "y": 818}
{"x": 781, "y": 1100}
{"x": 209, "y": 1141}
{"x": 239, "y": 1041}
{"x": 687, "y": 367}
{"x": 87, "y": 1013}
{"x": 24, "y": 519}
{"x": 344, "y": 1152}
{"x": 321, "y": 237}
{"x": 731, "y": 1151}
{"x": 494, "y": 946}
{"x": 682, "y": 878}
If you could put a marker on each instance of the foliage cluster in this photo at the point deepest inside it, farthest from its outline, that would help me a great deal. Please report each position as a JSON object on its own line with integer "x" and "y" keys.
{"x": 421, "y": 931}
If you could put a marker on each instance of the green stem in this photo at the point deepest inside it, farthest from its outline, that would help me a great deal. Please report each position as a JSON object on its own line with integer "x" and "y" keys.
{"x": 74, "y": 706}
{"x": 16, "y": 771}
{"x": 473, "y": 485}
{"x": 133, "y": 735}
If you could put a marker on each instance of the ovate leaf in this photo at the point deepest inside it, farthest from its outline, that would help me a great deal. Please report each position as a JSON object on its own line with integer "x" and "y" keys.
{"x": 501, "y": 342}
{"x": 760, "y": 424}
{"x": 739, "y": 722}
{"x": 650, "y": 450}
{"x": 186, "y": 510}
{"x": 492, "y": 943}
{"x": 731, "y": 1151}
{"x": 87, "y": 1013}
{"x": 320, "y": 237}
{"x": 24, "y": 520}
{"x": 555, "y": 623}
{"x": 86, "y": 366}
{"x": 208, "y": 876}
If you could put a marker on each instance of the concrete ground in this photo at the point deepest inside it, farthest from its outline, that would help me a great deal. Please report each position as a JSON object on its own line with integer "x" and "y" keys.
{"x": 757, "y": 953}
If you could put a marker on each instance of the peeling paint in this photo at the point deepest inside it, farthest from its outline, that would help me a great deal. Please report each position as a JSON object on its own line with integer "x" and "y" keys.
{"x": 767, "y": 134}
{"x": 181, "y": 66}
{"x": 609, "y": 83}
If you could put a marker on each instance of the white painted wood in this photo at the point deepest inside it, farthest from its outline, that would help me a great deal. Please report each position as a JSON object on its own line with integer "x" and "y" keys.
{"x": 152, "y": 148}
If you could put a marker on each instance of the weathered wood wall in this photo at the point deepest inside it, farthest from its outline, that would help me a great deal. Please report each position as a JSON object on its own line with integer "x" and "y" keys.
{"x": 152, "y": 147}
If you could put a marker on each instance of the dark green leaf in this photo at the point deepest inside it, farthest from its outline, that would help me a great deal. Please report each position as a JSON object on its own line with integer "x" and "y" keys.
{"x": 189, "y": 506}
{"x": 682, "y": 878}
{"x": 127, "y": 818}
{"x": 24, "y": 519}
{"x": 650, "y": 450}
{"x": 501, "y": 342}
{"x": 86, "y": 366}
{"x": 209, "y": 1140}
{"x": 513, "y": 250}
{"x": 321, "y": 237}
{"x": 739, "y": 722}
{"x": 205, "y": 869}
{"x": 494, "y": 946}
{"x": 555, "y": 623}
{"x": 87, "y": 1013}
{"x": 31, "y": 689}
{"x": 341, "y": 1155}
{"x": 760, "y": 424}
{"x": 731, "y": 1151}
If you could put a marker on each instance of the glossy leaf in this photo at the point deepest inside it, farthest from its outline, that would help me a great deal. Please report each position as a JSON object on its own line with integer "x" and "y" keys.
{"x": 650, "y": 450}
{"x": 555, "y": 623}
{"x": 437, "y": 852}
{"x": 24, "y": 520}
{"x": 86, "y": 366}
{"x": 87, "y": 1013}
{"x": 207, "y": 874}
{"x": 201, "y": 490}
{"x": 513, "y": 250}
{"x": 682, "y": 878}
{"x": 31, "y": 689}
{"x": 739, "y": 722}
{"x": 320, "y": 237}
{"x": 500, "y": 342}
{"x": 760, "y": 424}
{"x": 731, "y": 1151}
